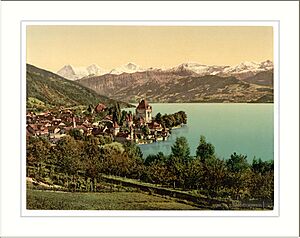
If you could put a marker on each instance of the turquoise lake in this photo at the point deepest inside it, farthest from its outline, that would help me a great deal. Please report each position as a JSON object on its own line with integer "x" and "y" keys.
{"x": 242, "y": 128}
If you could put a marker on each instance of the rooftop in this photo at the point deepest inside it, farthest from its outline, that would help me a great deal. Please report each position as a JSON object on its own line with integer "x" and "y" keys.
{"x": 144, "y": 105}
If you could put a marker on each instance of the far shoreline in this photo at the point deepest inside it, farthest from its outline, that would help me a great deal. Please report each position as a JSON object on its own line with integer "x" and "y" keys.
{"x": 256, "y": 103}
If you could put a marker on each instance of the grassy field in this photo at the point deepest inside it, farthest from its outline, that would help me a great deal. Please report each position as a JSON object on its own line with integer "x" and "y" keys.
{"x": 50, "y": 200}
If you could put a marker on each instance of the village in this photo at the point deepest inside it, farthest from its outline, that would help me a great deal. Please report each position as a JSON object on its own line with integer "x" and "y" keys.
{"x": 101, "y": 120}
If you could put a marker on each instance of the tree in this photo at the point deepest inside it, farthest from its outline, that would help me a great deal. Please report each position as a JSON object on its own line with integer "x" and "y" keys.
{"x": 123, "y": 117}
{"x": 158, "y": 173}
{"x": 117, "y": 113}
{"x": 180, "y": 118}
{"x": 237, "y": 163}
{"x": 158, "y": 117}
{"x": 204, "y": 150}
{"x": 194, "y": 174}
{"x": 168, "y": 120}
{"x": 146, "y": 130}
{"x": 214, "y": 175}
{"x": 239, "y": 176}
{"x": 183, "y": 117}
{"x": 172, "y": 120}
{"x": 177, "y": 167}
{"x": 121, "y": 160}
{"x": 69, "y": 153}
{"x": 104, "y": 139}
{"x": 262, "y": 167}
{"x": 159, "y": 158}
{"x": 133, "y": 151}
{"x": 90, "y": 109}
{"x": 92, "y": 156}
{"x": 262, "y": 186}
{"x": 38, "y": 150}
{"x": 114, "y": 147}
{"x": 181, "y": 149}
{"x": 76, "y": 134}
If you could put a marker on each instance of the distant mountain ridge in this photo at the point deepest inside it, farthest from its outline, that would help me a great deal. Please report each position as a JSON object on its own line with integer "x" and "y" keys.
{"x": 73, "y": 73}
{"x": 240, "y": 71}
{"x": 183, "y": 85}
{"x": 52, "y": 89}
{"x": 244, "y": 82}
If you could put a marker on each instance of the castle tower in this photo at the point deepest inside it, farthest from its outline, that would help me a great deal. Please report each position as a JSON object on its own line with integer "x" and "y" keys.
{"x": 144, "y": 110}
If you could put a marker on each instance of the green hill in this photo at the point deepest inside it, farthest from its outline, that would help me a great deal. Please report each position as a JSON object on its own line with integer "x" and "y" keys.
{"x": 48, "y": 88}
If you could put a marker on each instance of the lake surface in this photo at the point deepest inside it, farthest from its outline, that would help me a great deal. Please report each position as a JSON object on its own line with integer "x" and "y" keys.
{"x": 242, "y": 128}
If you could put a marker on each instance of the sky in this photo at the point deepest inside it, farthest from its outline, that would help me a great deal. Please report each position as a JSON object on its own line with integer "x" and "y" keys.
{"x": 53, "y": 46}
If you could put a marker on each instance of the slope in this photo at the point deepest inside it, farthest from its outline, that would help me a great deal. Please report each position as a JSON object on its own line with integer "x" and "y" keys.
{"x": 55, "y": 90}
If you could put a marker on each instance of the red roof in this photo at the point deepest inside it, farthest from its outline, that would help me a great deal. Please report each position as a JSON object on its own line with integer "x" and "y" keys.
{"x": 143, "y": 105}
{"x": 100, "y": 107}
{"x": 154, "y": 125}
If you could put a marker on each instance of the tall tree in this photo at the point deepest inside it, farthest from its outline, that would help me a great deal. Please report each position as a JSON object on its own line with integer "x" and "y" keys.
{"x": 204, "y": 150}
{"x": 117, "y": 114}
{"x": 69, "y": 154}
{"x": 214, "y": 175}
{"x": 92, "y": 156}
{"x": 237, "y": 163}
{"x": 158, "y": 118}
{"x": 239, "y": 176}
{"x": 181, "y": 149}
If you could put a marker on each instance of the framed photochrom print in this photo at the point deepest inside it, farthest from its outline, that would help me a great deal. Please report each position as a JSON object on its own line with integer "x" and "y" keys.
{"x": 151, "y": 116}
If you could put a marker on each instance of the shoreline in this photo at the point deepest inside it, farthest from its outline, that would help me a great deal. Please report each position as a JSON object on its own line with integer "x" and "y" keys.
{"x": 151, "y": 141}
{"x": 244, "y": 103}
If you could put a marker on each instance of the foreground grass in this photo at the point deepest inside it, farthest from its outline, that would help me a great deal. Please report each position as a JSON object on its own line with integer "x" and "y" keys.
{"x": 50, "y": 200}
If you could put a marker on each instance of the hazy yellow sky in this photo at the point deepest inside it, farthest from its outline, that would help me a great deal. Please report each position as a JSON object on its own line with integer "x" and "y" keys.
{"x": 51, "y": 47}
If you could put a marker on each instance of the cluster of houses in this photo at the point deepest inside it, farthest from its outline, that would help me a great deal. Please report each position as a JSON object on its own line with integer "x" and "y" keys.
{"x": 139, "y": 127}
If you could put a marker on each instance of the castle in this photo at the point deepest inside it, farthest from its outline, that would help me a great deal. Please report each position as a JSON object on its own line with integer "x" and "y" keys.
{"x": 144, "y": 111}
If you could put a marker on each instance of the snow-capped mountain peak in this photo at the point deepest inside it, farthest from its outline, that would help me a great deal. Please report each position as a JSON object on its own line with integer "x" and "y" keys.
{"x": 243, "y": 66}
{"x": 94, "y": 69}
{"x": 250, "y": 66}
{"x": 200, "y": 69}
{"x": 127, "y": 68}
{"x": 131, "y": 66}
{"x": 73, "y": 73}
{"x": 268, "y": 64}
{"x": 67, "y": 72}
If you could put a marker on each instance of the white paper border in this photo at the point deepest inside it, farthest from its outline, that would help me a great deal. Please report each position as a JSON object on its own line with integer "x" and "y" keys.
{"x": 285, "y": 225}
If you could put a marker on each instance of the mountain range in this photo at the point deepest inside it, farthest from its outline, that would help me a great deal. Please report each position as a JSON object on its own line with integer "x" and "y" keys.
{"x": 242, "y": 70}
{"x": 188, "y": 82}
{"x": 47, "y": 88}
{"x": 73, "y": 73}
